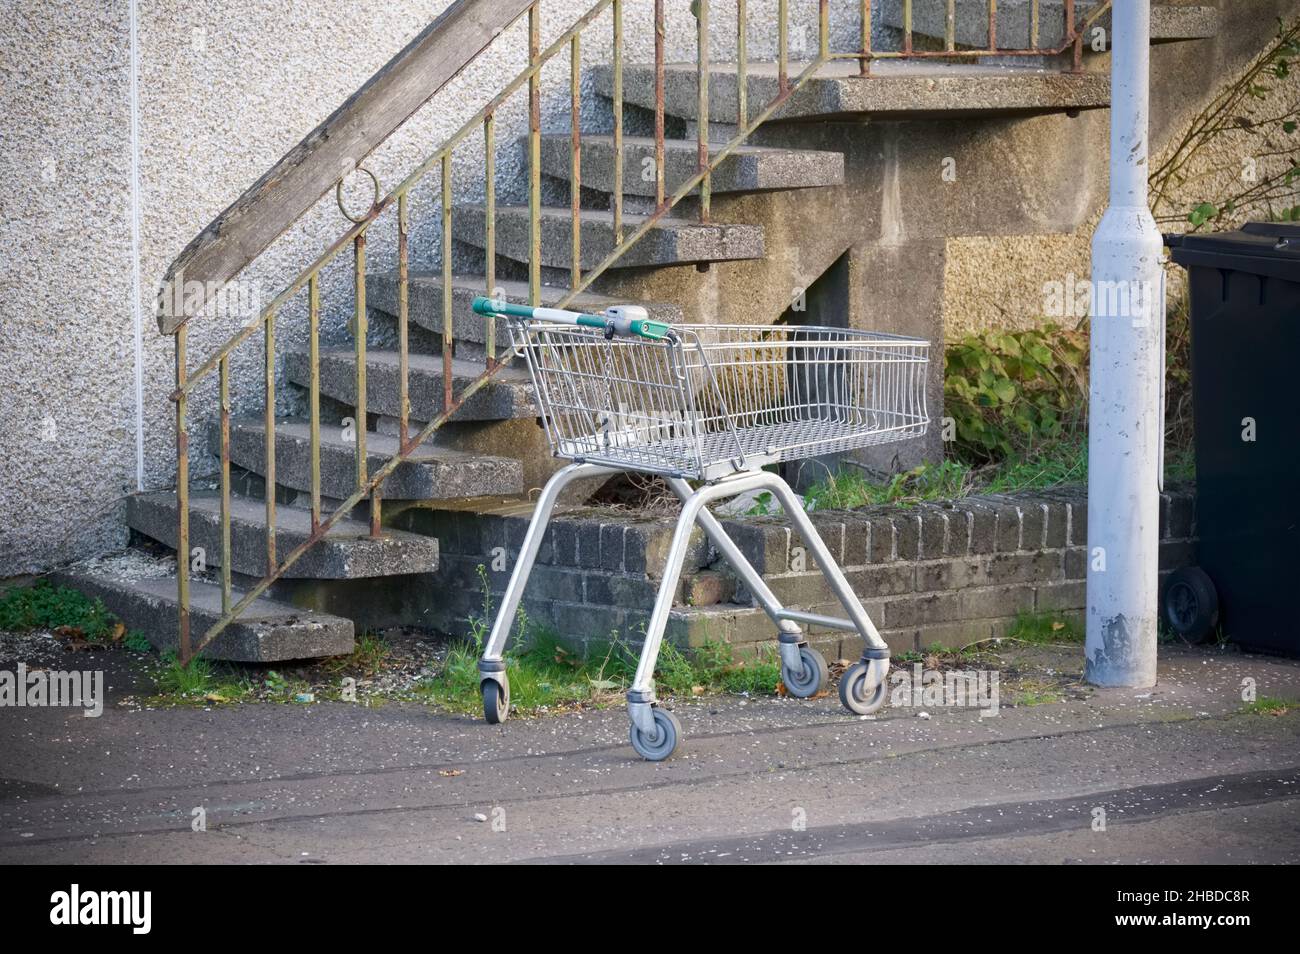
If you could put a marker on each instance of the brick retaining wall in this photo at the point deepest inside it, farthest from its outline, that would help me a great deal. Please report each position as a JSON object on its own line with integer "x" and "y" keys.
{"x": 934, "y": 574}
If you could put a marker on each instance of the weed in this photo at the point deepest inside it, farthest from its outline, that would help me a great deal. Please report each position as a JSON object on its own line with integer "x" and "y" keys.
{"x": 1045, "y": 628}
{"x": 368, "y": 656}
{"x": 1036, "y": 697}
{"x": 185, "y": 682}
{"x": 44, "y": 606}
{"x": 1268, "y": 705}
{"x": 137, "y": 642}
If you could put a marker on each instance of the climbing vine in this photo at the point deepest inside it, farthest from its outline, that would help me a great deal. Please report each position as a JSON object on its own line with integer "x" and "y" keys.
{"x": 1262, "y": 106}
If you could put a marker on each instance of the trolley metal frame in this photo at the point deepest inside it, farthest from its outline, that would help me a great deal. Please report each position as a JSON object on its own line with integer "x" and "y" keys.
{"x": 621, "y": 393}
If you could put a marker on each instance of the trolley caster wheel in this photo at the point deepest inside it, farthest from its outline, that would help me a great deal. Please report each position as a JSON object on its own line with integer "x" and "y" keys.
{"x": 496, "y": 700}
{"x": 1191, "y": 605}
{"x": 856, "y": 692}
{"x": 811, "y": 679}
{"x": 663, "y": 743}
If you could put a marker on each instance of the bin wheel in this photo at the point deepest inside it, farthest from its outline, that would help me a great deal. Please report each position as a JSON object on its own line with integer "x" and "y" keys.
{"x": 812, "y": 675}
{"x": 1191, "y": 604}
{"x": 663, "y": 743}
{"x": 856, "y": 692}
{"x": 496, "y": 700}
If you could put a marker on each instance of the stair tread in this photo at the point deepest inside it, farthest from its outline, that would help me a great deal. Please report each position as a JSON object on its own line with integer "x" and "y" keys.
{"x": 669, "y": 241}
{"x": 424, "y": 302}
{"x": 507, "y": 396}
{"x": 347, "y": 551}
{"x": 630, "y": 219}
{"x": 687, "y": 146}
{"x": 431, "y": 472}
{"x": 266, "y": 631}
{"x": 745, "y": 169}
{"x": 896, "y": 87}
{"x": 1168, "y": 21}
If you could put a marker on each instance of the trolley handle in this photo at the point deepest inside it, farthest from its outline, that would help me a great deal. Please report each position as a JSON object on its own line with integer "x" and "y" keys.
{"x": 628, "y": 321}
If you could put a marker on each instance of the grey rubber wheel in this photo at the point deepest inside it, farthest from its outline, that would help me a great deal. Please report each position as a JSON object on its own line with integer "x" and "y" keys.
{"x": 811, "y": 679}
{"x": 857, "y": 694}
{"x": 663, "y": 743}
{"x": 496, "y": 700}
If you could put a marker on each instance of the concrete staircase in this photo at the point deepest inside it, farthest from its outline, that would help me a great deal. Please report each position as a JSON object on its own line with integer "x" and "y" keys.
{"x": 838, "y": 198}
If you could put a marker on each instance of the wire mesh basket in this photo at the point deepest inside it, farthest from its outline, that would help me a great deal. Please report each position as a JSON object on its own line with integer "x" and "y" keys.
{"x": 705, "y": 401}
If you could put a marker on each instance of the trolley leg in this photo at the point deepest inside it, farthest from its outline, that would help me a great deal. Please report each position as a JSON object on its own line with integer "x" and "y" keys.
{"x": 641, "y": 697}
{"x": 790, "y": 637}
{"x": 862, "y": 686}
{"x": 492, "y": 668}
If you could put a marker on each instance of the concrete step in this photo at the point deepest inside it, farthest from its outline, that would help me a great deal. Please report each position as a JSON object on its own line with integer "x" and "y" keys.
{"x": 509, "y": 395}
{"x": 670, "y": 241}
{"x": 432, "y": 473}
{"x": 268, "y": 631}
{"x": 745, "y": 169}
{"x": 896, "y": 89}
{"x": 424, "y": 303}
{"x": 971, "y": 26}
{"x": 1172, "y": 23}
{"x": 346, "y": 552}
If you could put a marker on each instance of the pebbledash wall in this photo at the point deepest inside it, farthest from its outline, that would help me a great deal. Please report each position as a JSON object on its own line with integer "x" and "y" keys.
{"x": 933, "y": 574}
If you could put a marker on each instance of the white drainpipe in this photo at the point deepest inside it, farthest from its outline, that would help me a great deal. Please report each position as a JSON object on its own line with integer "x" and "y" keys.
{"x": 1124, "y": 425}
{"x": 137, "y": 312}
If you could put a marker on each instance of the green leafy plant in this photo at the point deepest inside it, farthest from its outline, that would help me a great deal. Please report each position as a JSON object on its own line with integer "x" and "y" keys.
{"x": 44, "y": 606}
{"x": 137, "y": 642}
{"x": 1010, "y": 391}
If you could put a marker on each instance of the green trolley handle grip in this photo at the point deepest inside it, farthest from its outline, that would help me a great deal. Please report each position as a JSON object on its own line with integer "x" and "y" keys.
{"x": 616, "y": 321}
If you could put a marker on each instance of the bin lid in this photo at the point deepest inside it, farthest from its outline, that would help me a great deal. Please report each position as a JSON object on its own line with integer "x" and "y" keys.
{"x": 1270, "y": 248}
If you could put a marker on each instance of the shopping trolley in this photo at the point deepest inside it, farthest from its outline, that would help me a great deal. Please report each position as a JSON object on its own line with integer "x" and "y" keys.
{"x": 714, "y": 404}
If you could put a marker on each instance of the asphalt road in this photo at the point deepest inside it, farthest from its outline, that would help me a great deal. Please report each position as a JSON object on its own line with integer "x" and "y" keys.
{"x": 1178, "y": 774}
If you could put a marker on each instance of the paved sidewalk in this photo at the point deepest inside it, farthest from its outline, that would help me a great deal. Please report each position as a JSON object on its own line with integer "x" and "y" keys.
{"x": 1182, "y": 773}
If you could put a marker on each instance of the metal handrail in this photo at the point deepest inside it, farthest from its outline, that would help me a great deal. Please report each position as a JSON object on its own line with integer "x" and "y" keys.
{"x": 368, "y": 482}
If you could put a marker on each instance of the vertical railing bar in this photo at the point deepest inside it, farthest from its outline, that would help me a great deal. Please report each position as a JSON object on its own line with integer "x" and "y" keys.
{"x": 268, "y": 470}
{"x": 993, "y": 25}
{"x": 659, "y": 101}
{"x": 223, "y": 396}
{"x": 950, "y": 27}
{"x": 782, "y": 49}
{"x": 360, "y": 322}
{"x": 1073, "y": 34}
{"x": 864, "y": 64}
{"x": 448, "y": 329}
{"x": 617, "y": 198}
{"x": 907, "y": 26}
{"x": 313, "y": 393}
{"x": 575, "y": 158}
{"x": 403, "y": 327}
{"x": 823, "y": 29}
{"x": 534, "y": 160}
{"x": 702, "y": 107}
{"x": 490, "y": 227}
{"x": 1033, "y": 24}
{"x": 182, "y": 502}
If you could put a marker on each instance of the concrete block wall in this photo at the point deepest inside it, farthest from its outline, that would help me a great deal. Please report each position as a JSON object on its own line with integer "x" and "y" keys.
{"x": 936, "y": 574}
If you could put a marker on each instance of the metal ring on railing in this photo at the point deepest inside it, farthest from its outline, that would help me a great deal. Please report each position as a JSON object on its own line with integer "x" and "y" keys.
{"x": 338, "y": 197}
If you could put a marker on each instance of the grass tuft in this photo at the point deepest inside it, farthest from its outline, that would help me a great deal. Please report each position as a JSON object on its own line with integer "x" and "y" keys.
{"x": 1044, "y": 628}
{"x": 1268, "y": 705}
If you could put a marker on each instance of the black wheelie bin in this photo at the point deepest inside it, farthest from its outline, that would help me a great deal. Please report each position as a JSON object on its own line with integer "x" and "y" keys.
{"x": 1244, "y": 291}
